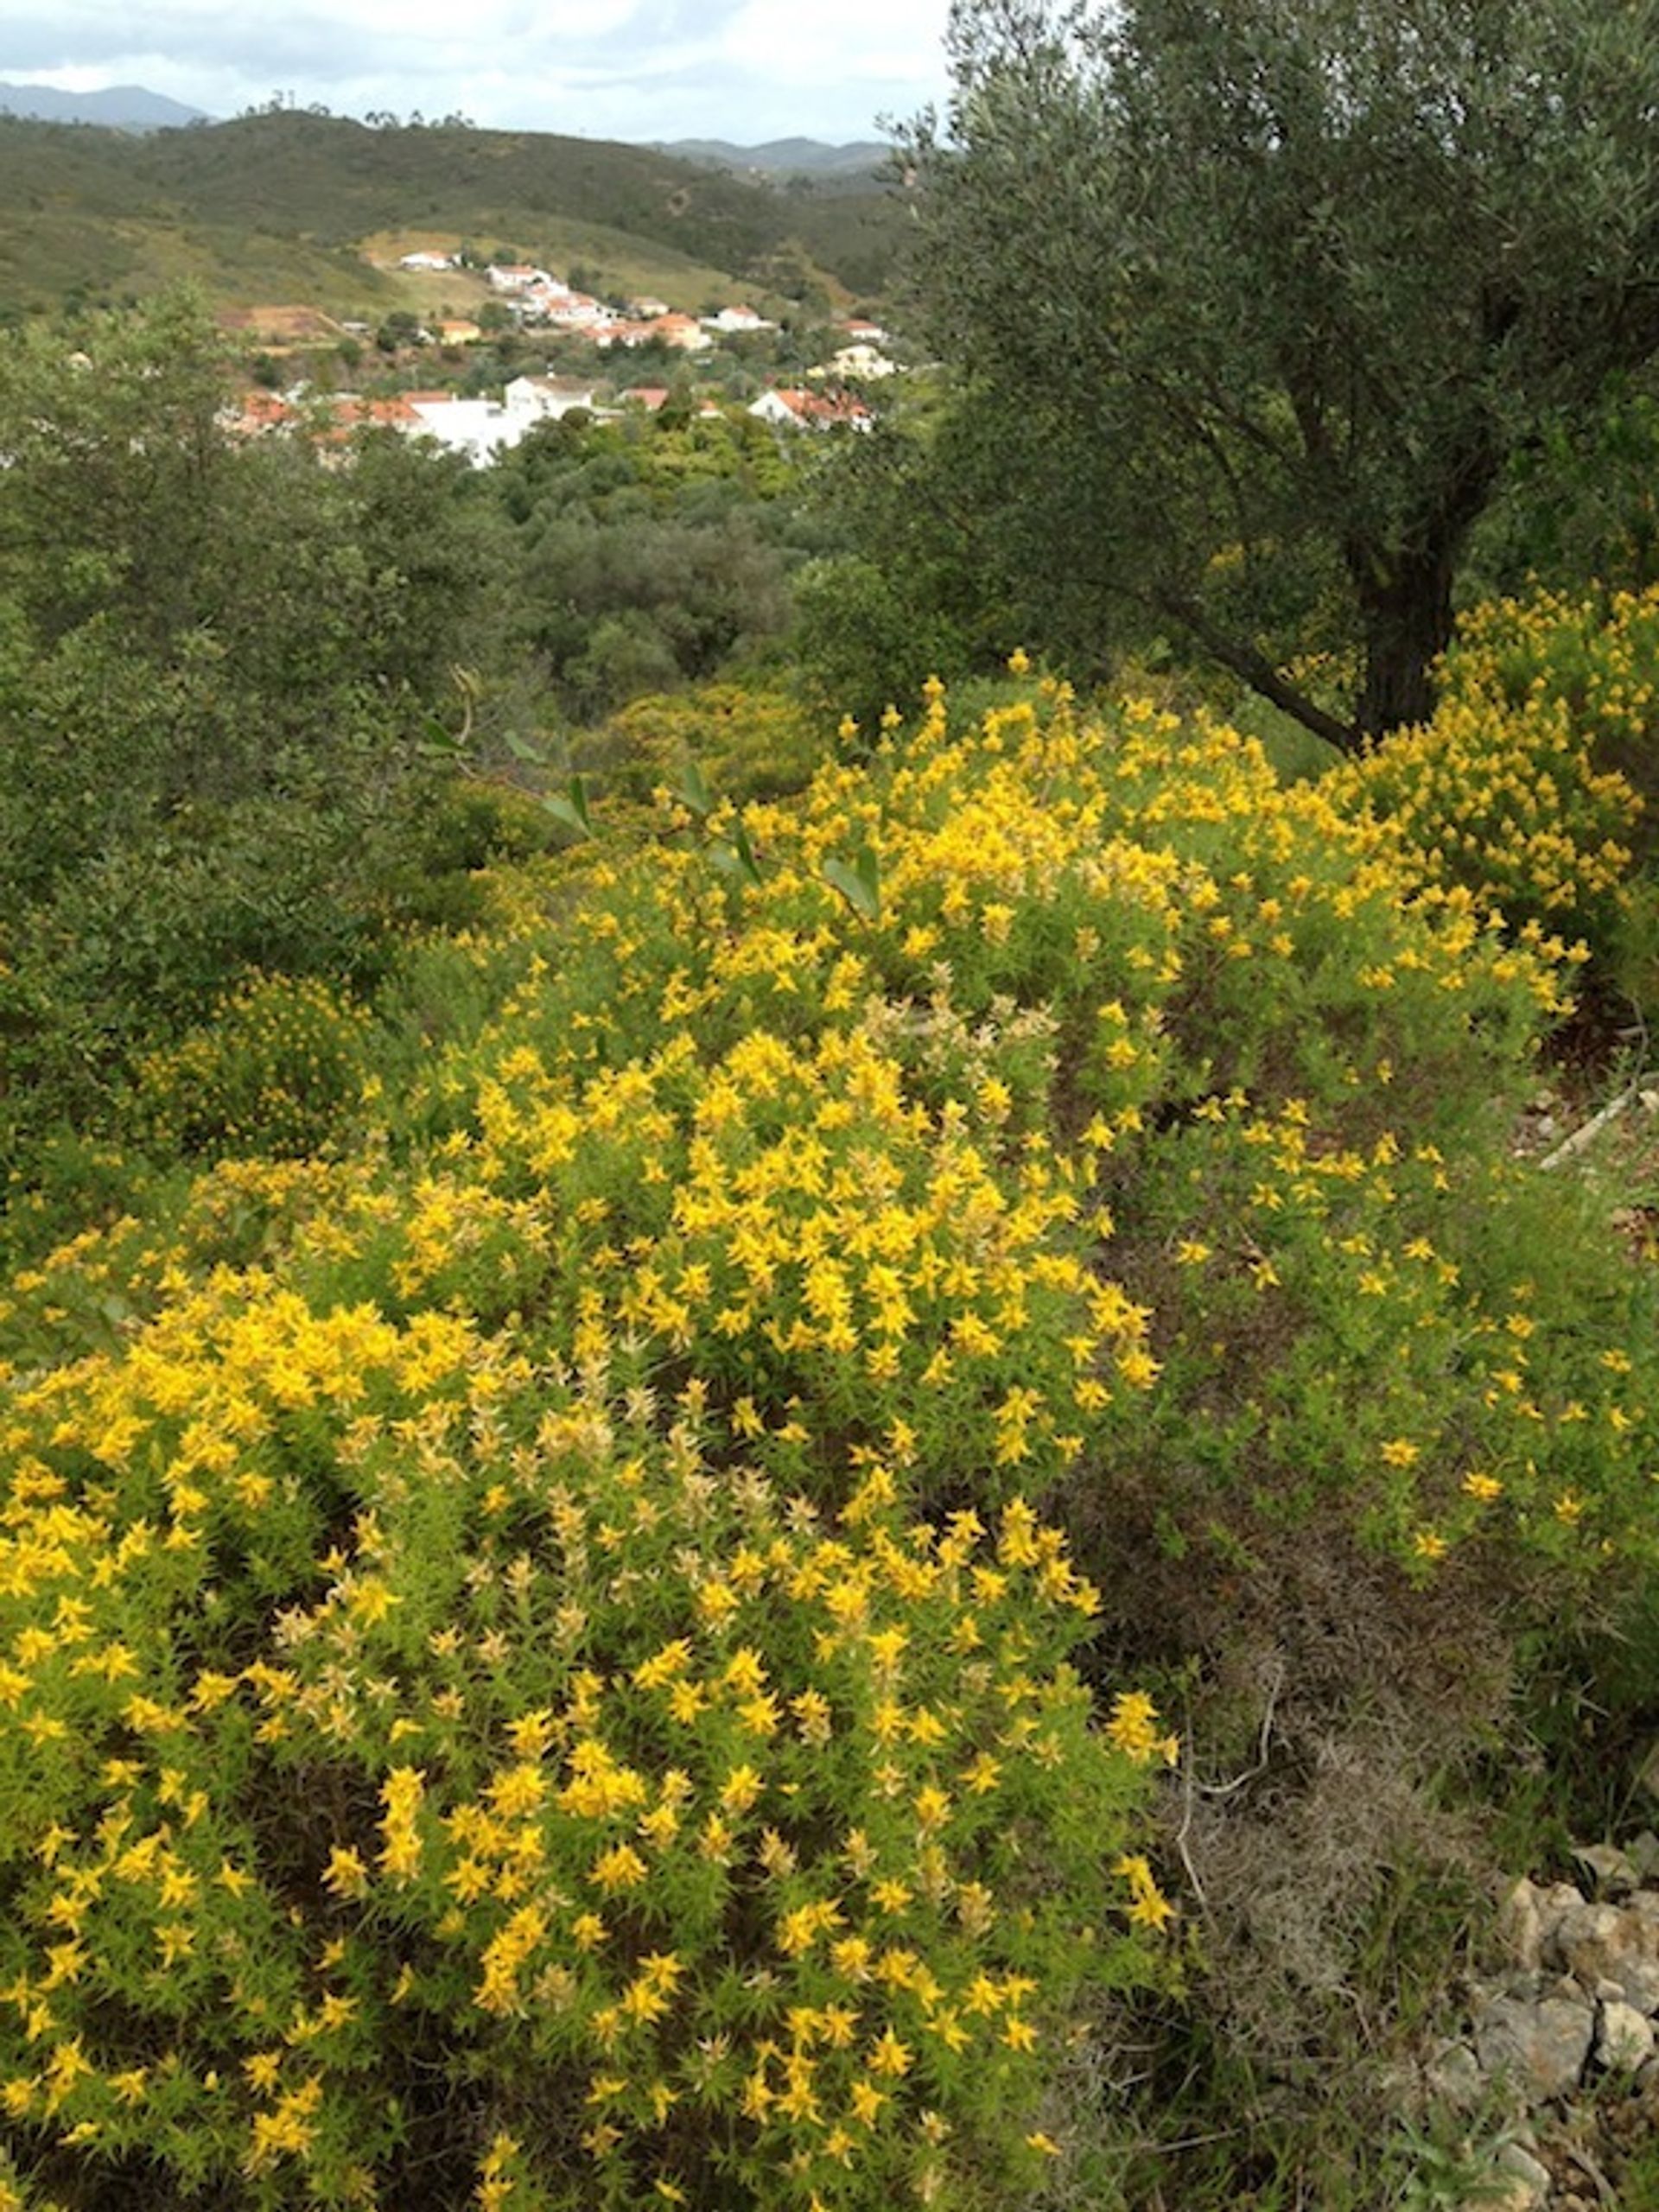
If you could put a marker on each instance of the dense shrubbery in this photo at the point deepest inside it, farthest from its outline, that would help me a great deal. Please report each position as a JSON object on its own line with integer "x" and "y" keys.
{"x": 743, "y": 742}
{"x": 537, "y": 1643}
{"x": 276, "y": 1071}
{"x": 645, "y": 553}
{"x": 217, "y": 668}
{"x": 1520, "y": 788}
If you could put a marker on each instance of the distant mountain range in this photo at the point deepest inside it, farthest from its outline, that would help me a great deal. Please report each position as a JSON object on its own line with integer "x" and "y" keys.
{"x": 782, "y": 157}
{"x": 130, "y": 107}
{"x": 122, "y": 107}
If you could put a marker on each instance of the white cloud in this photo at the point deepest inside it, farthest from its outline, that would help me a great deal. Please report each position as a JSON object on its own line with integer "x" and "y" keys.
{"x": 740, "y": 69}
{"x": 876, "y": 42}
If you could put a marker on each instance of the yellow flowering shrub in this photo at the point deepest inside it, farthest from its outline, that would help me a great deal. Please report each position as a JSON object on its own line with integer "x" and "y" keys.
{"x": 538, "y": 1665}
{"x": 1345, "y": 1337}
{"x": 1513, "y": 790}
{"x": 277, "y": 1070}
{"x": 746, "y": 743}
{"x": 689, "y": 1836}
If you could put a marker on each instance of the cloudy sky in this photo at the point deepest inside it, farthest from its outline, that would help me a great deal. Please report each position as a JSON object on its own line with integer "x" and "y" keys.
{"x": 747, "y": 70}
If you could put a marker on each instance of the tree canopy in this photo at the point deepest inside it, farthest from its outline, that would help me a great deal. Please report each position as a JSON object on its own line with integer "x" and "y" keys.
{"x": 218, "y": 667}
{"x": 1258, "y": 305}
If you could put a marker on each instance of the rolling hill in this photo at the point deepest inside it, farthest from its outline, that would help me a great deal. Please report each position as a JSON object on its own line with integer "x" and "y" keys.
{"x": 280, "y": 204}
{"x": 784, "y": 156}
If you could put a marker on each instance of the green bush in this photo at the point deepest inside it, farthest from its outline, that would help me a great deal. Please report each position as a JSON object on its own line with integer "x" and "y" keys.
{"x": 279, "y": 1070}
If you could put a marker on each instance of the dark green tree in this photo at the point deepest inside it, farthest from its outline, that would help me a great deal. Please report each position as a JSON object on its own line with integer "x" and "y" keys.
{"x": 220, "y": 663}
{"x": 1258, "y": 304}
{"x": 647, "y": 552}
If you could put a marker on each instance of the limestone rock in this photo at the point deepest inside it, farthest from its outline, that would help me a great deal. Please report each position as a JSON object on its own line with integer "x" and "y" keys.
{"x": 1517, "y": 2164}
{"x": 1554, "y": 1901}
{"x": 1624, "y": 2038}
{"x": 1606, "y": 1942}
{"x": 1613, "y": 1871}
{"x": 1504, "y": 2193}
{"x": 1454, "y": 2077}
{"x": 1542, "y": 2047}
{"x": 1520, "y": 1926}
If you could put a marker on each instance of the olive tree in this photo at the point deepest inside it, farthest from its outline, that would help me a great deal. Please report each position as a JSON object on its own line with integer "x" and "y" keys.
{"x": 1260, "y": 303}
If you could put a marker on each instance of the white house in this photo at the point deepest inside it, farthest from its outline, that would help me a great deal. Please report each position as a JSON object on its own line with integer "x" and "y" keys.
{"x": 517, "y": 277}
{"x": 427, "y": 261}
{"x": 542, "y": 399}
{"x": 683, "y": 333}
{"x": 856, "y": 361}
{"x": 625, "y": 333}
{"x": 577, "y": 311}
{"x": 480, "y": 429}
{"x": 737, "y": 318}
{"x": 812, "y": 411}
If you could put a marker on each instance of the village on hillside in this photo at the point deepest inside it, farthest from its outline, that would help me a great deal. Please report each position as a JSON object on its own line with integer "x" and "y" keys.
{"x": 529, "y": 302}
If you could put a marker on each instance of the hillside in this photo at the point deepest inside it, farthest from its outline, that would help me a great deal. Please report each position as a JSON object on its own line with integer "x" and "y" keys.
{"x": 784, "y": 156}
{"x": 238, "y": 205}
{"x": 811, "y": 1463}
{"x": 671, "y": 1519}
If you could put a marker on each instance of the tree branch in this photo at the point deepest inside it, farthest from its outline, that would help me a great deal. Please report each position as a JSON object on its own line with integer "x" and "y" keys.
{"x": 1257, "y": 671}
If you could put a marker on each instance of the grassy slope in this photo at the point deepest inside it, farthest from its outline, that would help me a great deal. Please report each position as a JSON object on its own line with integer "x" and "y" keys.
{"x": 279, "y": 205}
{"x": 616, "y": 260}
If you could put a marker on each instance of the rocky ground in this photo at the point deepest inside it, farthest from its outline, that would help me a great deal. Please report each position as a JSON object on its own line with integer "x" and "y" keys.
{"x": 1558, "y": 2054}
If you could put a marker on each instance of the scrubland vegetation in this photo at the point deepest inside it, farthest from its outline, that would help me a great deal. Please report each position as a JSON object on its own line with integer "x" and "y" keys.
{"x": 770, "y": 1442}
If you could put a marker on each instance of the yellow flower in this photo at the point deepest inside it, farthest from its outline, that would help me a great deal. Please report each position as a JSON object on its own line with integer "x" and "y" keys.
{"x": 663, "y": 1666}
{"x": 620, "y": 1868}
{"x": 866, "y": 2101}
{"x": 345, "y": 1875}
{"x": 401, "y": 1795}
{"x": 888, "y": 2055}
{"x": 932, "y": 1806}
{"x": 1131, "y": 1727}
{"x": 1148, "y": 1906}
{"x": 739, "y": 1790}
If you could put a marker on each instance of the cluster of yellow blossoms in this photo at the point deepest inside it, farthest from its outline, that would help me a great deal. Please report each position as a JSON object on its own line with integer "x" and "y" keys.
{"x": 281, "y": 1066}
{"x": 532, "y": 1652}
{"x": 1517, "y": 790}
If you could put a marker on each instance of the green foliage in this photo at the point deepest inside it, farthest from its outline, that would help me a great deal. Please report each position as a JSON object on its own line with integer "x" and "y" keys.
{"x": 1578, "y": 502}
{"x": 278, "y": 1071}
{"x": 1263, "y": 302}
{"x": 647, "y": 553}
{"x": 747, "y": 743}
{"x": 215, "y": 664}
{"x": 862, "y": 641}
